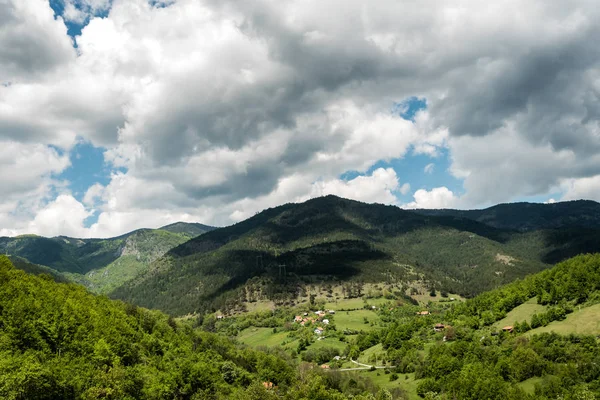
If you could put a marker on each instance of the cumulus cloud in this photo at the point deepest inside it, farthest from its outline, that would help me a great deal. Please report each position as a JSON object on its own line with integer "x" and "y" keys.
{"x": 33, "y": 43}
{"x": 405, "y": 188}
{"x": 582, "y": 188}
{"x": 440, "y": 197}
{"x": 214, "y": 110}
{"x": 63, "y": 216}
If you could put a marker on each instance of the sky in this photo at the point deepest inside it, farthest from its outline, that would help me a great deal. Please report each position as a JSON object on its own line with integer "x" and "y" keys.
{"x": 122, "y": 114}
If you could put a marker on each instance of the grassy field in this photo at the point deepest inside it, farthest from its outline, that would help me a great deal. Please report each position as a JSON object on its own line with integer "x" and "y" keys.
{"x": 354, "y": 304}
{"x": 328, "y": 342}
{"x": 529, "y": 385}
{"x": 255, "y": 337}
{"x": 423, "y": 296}
{"x": 584, "y": 321}
{"x": 262, "y": 305}
{"x": 262, "y": 337}
{"x": 355, "y": 320}
{"x": 521, "y": 313}
{"x": 367, "y": 356}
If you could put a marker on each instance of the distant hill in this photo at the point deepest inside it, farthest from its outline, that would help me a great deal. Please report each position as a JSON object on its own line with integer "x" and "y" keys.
{"x": 333, "y": 239}
{"x": 34, "y": 269}
{"x": 531, "y": 216}
{"x": 189, "y": 229}
{"x": 100, "y": 264}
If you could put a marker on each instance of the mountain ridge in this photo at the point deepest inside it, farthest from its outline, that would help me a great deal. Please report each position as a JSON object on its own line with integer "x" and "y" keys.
{"x": 336, "y": 239}
{"x": 100, "y": 264}
{"x": 572, "y": 213}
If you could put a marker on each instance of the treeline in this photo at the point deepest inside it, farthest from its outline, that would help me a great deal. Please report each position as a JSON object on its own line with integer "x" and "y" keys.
{"x": 58, "y": 341}
{"x": 571, "y": 282}
{"x": 491, "y": 369}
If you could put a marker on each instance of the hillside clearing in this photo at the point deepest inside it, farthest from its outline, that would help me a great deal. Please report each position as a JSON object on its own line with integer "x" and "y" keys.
{"x": 521, "y": 313}
{"x": 585, "y": 321}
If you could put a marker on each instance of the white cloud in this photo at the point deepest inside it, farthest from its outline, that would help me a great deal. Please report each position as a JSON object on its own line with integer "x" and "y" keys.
{"x": 63, "y": 216}
{"x": 376, "y": 188}
{"x": 405, "y": 188}
{"x": 440, "y": 197}
{"x": 32, "y": 42}
{"x": 93, "y": 194}
{"x": 429, "y": 168}
{"x": 582, "y": 188}
{"x": 504, "y": 166}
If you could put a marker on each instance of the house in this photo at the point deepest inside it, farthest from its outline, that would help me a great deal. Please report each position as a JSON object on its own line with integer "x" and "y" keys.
{"x": 319, "y": 331}
{"x": 268, "y": 385}
{"x": 326, "y": 321}
{"x": 438, "y": 327}
{"x": 297, "y": 318}
{"x": 337, "y": 358}
{"x": 373, "y": 308}
{"x": 219, "y": 317}
{"x": 325, "y": 366}
{"x": 331, "y": 312}
{"x": 422, "y": 312}
{"x": 306, "y": 314}
{"x": 508, "y": 329}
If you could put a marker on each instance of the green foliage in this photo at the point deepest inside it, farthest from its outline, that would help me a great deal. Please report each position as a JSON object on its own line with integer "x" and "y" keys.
{"x": 58, "y": 341}
{"x": 320, "y": 355}
{"x": 190, "y": 230}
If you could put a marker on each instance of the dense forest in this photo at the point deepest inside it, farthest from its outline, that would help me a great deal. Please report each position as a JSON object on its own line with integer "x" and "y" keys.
{"x": 58, "y": 341}
{"x": 531, "y": 216}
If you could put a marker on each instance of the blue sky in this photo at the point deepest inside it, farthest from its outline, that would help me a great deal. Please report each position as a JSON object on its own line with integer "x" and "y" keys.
{"x": 87, "y": 168}
{"x": 411, "y": 168}
{"x": 74, "y": 29}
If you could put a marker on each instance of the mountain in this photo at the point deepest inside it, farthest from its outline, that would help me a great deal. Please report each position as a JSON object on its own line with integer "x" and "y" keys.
{"x": 333, "y": 239}
{"x": 531, "y": 216}
{"x": 100, "y": 264}
{"x": 188, "y": 229}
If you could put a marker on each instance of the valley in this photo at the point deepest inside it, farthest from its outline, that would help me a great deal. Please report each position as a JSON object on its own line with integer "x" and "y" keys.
{"x": 332, "y": 295}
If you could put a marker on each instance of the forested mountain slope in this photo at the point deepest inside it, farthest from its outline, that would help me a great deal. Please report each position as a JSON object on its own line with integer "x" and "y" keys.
{"x": 470, "y": 357}
{"x": 332, "y": 238}
{"x": 189, "y": 229}
{"x": 100, "y": 264}
{"x": 58, "y": 341}
{"x": 531, "y": 216}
